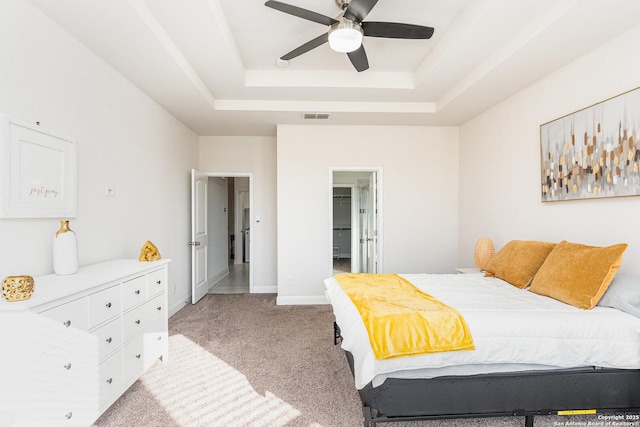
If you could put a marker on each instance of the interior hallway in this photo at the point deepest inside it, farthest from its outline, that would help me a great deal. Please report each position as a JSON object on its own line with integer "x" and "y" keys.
{"x": 237, "y": 282}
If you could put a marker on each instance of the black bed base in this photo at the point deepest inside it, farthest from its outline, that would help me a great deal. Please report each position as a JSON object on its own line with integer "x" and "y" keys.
{"x": 523, "y": 394}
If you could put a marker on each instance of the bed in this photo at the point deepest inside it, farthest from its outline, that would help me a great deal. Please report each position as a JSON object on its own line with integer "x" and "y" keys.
{"x": 534, "y": 354}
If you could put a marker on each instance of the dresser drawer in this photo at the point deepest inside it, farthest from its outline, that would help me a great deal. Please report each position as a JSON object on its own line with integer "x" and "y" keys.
{"x": 134, "y": 292}
{"x": 71, "y": 314}
{"x": 104, "y": 305}
{"x": 156, "y": 343}
{"x": 157, "y": 281}
{"x": 155, "y": 309}
{"x": 109, "y": 337}
{"x": 137, "y": 320}
{"x": 110, "y": 378}
{"x": 132, "y": 359}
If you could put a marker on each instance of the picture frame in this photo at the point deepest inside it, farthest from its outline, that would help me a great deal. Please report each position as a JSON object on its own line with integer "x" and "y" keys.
{"x": 38, "y": 171}
{"x": 593, "y": 153}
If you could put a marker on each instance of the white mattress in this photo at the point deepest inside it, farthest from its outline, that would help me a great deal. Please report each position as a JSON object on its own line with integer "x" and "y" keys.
{"x": 512, "y": 329}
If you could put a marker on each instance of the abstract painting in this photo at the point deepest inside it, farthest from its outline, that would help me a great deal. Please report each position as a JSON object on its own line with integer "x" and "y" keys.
{"x": 593, "y": 153}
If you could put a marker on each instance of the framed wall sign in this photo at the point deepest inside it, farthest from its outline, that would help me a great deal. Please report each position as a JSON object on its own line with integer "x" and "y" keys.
{"x": 37, "y": 172}
{"x": 593, "y": 153}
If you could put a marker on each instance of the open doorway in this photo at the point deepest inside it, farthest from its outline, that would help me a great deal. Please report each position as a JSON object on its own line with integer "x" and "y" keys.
{"x": 221, "y": 241}
{"x": 235, "y": 227}
{"x": 355, "y": 221}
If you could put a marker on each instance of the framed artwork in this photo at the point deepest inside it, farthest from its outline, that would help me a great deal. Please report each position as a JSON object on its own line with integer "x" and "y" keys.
{"x": 37, "y": 172}
{"x": 593, "y": 153}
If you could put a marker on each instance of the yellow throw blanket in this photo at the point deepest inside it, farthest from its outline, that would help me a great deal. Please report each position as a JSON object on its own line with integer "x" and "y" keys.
{"x": 402, "y": 320}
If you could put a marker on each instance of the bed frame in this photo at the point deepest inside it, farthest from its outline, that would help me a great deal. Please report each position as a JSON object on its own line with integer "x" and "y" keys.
{"x": 524, "y": 394}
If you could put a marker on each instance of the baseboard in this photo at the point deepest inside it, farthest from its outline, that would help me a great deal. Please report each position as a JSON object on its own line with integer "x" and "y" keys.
{"x": 177, "y": 307}
{"x": 265, "y": 289}
{"x": 214, "y": 279}
{"x": 299, "y": 300}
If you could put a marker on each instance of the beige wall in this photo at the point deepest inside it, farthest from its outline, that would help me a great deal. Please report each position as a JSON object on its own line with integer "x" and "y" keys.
{"x": 500, "y": 161}
{"x": 419, "y": 204}
{"x": 257, "y": 156}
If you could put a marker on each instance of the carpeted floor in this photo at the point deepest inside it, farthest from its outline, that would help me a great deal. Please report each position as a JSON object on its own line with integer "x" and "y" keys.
{"x": 241, "y": 360}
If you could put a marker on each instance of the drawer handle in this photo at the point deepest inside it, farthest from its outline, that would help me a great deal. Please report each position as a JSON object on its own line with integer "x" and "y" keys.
{"x": 137, "y": 322}
{"x": 67, "y": 366}
{"x": 138, "y": 356}
{"x": 108, "y": 305}
{"x": 110, "y": 380}
{"x": 109, "y": 340}
{"x": 159, "y": 282}
{"x": 67, "y": 323}
{"x": 159, "y": 338}
{"x": 69, "y": 415}
{"x": 159, "y": 308}
{"x": 138, "y": 291}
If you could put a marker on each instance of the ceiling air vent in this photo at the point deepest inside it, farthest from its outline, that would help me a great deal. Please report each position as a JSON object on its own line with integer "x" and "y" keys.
{"x": 316, "y": 116}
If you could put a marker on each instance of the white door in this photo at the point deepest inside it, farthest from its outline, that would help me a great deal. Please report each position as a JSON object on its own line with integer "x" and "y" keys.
{"x": 368, "y": 224}
{"x": 373, "y": 223}
{"x": 199, "y": 236}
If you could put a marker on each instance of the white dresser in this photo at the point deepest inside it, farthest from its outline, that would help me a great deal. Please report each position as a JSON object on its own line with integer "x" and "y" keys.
{"x": 81, "y": 341}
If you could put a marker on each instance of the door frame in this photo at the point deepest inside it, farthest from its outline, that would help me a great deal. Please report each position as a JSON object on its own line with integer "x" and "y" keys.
{"x": 252, "y": 212}
{"x": 379, "y": 214}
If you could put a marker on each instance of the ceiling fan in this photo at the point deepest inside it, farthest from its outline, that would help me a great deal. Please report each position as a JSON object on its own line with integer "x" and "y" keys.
{"x": 347, "y": 29}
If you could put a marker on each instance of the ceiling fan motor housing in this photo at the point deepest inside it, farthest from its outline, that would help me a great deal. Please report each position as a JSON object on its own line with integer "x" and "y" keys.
{"x": 343, "y": 4}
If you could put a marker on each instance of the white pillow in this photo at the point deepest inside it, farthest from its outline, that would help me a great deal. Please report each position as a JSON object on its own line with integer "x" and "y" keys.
{"x": 623, "y": 294}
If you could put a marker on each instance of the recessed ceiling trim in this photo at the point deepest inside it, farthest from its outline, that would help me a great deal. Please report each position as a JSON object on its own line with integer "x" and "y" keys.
{"x": 537, "y": 25}
{"x": 165, "y": 40}
{"x": 342, "y": 107}
{"x": 335, "y": 79}
{"x": 447, "y": 42}
{"x": 225, "y": 31}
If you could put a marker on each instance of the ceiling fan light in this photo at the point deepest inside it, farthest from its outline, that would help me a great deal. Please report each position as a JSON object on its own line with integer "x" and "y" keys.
{"x": 345, "y": 36}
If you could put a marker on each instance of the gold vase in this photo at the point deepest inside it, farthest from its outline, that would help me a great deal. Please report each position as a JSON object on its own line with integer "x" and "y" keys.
{"x": 17, "y": 288}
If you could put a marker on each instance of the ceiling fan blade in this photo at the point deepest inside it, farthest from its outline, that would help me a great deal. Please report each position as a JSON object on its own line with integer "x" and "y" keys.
{"x": 300, "y": 12}
{"x": 311, "y": 44}
{"x": 359, "y": 59}
{"x": 394, "y": 30}
{"x": 359, "y": 9}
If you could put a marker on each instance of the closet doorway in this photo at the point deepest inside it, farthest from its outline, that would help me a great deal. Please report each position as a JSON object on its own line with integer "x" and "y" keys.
{"x": 355, "y": 221}
{"x": 225, "y": 206}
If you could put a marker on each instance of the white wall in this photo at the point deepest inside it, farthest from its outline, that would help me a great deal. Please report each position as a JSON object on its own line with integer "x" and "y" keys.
{"x": 125, "y": 141}
{"x": 500, "y": 161}
{"x": 419, "y": 205}
{"x": 256, "y": 155}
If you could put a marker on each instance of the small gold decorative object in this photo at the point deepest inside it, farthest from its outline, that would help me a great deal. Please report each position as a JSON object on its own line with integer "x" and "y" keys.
{"x": 17, "y": 288}
{"x": 149, "y": 252}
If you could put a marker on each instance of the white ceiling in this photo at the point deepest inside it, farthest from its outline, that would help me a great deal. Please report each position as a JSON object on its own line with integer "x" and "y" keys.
{"x": 212, "y": 63}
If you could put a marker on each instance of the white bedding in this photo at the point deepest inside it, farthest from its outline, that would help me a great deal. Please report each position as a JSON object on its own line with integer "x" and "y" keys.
{"x": 513, "y": 330}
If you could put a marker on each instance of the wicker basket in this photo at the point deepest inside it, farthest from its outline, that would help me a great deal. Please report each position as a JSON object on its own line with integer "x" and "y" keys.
{"x": 483, "y": 252}
{"x": 17, "y": 288}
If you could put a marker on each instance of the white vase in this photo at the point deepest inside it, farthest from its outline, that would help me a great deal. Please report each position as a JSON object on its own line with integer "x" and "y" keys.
{"x": 65, "y": 250}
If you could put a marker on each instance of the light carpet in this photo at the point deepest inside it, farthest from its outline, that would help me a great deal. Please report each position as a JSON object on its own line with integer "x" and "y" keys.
{"x": 241, "y": 360}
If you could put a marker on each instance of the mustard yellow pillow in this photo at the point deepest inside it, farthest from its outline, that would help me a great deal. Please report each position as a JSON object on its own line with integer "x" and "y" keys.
{"x": 518, "y": 261}
{"x": 578, "y": 274}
